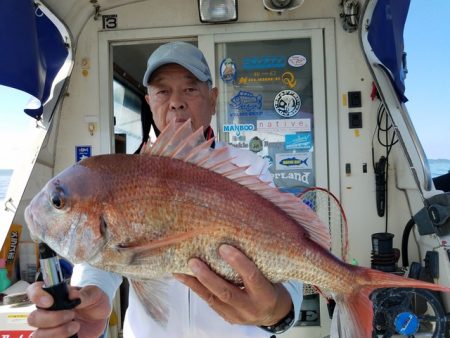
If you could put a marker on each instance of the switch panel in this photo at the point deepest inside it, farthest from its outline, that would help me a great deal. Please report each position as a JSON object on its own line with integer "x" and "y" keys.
{"x": 355, "y": 120}
{"x": 354, "y": 99}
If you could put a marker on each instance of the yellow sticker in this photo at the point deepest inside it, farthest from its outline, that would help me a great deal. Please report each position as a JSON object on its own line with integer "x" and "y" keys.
{"x": 17, "y": 318}
{"x": 344, "y": 100}
{"x": 356, "y": 131}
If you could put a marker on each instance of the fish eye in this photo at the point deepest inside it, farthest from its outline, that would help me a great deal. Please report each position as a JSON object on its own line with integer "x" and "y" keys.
{"x": 57, "y": 199}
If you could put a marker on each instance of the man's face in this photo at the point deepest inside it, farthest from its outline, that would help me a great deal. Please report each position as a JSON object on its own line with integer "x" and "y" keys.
{"x": 174, "y": 92}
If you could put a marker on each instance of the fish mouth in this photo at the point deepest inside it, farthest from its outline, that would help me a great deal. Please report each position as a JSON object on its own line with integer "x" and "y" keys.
{"x": 33, "y": 225}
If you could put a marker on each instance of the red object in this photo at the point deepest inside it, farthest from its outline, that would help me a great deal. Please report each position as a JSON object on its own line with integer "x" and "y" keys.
{"x": 15, "y": 333}
{"x": 374, "y": 92}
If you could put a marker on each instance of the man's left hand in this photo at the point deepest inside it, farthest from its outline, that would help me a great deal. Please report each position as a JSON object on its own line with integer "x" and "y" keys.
{"x": 259, "y": 303}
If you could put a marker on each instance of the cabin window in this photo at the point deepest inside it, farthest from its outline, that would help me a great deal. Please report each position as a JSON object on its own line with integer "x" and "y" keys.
{"x": 127, "y": 118}
{"x": 266, "y": 105}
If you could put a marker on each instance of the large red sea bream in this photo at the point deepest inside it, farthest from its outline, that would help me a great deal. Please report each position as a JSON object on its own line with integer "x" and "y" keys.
{"x": 144, "y": 216}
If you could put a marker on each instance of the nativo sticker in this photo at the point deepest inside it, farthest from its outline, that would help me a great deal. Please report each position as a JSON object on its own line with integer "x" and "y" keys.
{"x": 283, "y": 126}
{"x": 296, "y": 60}
{"x": 287, "y": 103}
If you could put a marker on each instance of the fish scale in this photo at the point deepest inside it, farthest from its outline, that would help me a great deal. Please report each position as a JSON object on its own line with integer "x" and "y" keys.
{"x": 144, "y": 216}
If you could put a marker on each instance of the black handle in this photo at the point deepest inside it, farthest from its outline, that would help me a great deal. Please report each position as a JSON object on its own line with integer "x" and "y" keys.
{"x": 60, "y": 294}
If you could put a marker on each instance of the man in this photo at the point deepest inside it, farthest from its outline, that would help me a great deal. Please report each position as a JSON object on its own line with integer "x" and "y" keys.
{"x": 179, "y": 86}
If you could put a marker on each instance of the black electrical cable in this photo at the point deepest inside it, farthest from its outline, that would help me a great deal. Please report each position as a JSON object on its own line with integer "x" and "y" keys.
{"x": 386, "y": 139}
{"x": 405, "y": 239}
{"x": 388, "y": 144}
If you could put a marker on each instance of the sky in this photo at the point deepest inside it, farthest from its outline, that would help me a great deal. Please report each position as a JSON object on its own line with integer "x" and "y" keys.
{"x": 13, "y": 125}
{"x": 427, "y": 44}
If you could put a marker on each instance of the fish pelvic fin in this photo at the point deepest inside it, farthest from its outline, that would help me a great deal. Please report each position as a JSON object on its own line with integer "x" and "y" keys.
{"x": 353, "y": 315}
{"x": 178, "y": 141}
{"x": 152, "y": 293}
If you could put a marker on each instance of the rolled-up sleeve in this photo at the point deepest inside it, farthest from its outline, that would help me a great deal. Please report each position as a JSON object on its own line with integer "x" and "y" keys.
{"x": 85, "y": 274}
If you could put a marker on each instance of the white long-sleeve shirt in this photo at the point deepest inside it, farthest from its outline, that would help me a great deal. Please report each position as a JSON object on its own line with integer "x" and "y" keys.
{"x": 189, "y": 315}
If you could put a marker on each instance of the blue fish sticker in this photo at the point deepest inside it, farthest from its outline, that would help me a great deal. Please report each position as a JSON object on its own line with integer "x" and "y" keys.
{"x": 289, "y": 161}
{"x": 245, "y": 101}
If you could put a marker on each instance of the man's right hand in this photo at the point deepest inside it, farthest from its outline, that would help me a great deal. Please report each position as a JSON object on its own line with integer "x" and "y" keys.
{"x": 88, "y": 319}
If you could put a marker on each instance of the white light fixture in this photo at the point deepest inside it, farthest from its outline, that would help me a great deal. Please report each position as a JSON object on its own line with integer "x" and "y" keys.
{"x": 282, "y": 5}
{"x": 217, "y": 11}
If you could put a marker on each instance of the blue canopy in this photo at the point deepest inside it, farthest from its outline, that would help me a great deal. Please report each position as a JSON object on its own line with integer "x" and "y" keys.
{"x": 32, "y": 50}
{"x": 386, "y": 39}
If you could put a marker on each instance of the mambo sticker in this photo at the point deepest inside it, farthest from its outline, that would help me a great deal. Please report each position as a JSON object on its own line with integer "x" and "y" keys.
{"x": 297, "y": 60}
{"x": 290, "y": 161}
{"x": 263, "y": 62}
{"x": 246, "y": 102}
{"x": 301, "y": 141}
{"x": 227, "y": 70}
{"x": 238, "y": 128}
{"x": 287, "y": 103}
{"x": 290, "y": 125}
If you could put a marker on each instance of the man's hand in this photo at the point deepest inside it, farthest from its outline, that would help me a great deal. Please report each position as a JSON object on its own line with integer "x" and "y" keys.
{"x": 88, "y": 319}
{"x": 258, "y": 303}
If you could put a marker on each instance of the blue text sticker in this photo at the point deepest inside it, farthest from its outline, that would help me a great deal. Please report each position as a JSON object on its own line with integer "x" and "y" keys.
{"x": 82, "y": 152}
{"x": 264, "y": 62}
{"x": 298, "y": 141}
{"x": 238, "y": 128}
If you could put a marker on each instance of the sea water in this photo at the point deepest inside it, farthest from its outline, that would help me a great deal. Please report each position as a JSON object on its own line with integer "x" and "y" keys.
{"x": 439, "y": 167}
{"x": 5, "y": 176}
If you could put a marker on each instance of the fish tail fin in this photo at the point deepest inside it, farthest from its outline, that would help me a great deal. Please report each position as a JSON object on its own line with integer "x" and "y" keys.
{"x": 380, "y": 279}
{"x": 355, "y": 309}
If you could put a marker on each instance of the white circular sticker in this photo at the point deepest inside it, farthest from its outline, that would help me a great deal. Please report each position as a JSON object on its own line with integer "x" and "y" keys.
{"x": 296, "y": 60}
{"x": 287, "y": 103}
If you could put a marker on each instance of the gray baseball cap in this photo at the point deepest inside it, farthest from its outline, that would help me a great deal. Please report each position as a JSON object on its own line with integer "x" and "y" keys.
{"x": 182, "y": 53}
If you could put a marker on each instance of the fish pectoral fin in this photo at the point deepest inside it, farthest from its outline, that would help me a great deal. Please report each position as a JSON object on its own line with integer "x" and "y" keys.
{"x": 152, "y": 293}
{"x": 135, "y": 253}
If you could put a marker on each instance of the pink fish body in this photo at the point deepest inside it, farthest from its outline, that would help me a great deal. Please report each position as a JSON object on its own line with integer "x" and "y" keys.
{"x": 144, "y": 216}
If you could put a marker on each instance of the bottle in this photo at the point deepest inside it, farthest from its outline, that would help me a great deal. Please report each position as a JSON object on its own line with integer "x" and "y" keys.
{"x": 4, "y": 280}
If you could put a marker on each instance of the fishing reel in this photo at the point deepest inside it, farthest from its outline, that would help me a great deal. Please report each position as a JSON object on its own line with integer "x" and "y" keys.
{"x": 409, "y": 312}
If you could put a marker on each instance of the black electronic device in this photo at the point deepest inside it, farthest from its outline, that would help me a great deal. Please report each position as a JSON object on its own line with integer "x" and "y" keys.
{"x": 54, "y": 282}
{"x": 380, "y": 185}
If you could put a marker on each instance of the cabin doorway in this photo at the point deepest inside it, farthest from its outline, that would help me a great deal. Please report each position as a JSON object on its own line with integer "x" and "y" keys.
{"x": 277, "y": 98}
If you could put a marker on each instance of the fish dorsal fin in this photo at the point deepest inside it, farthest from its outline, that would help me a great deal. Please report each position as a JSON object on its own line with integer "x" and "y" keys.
{"x": 178, "y": 141}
